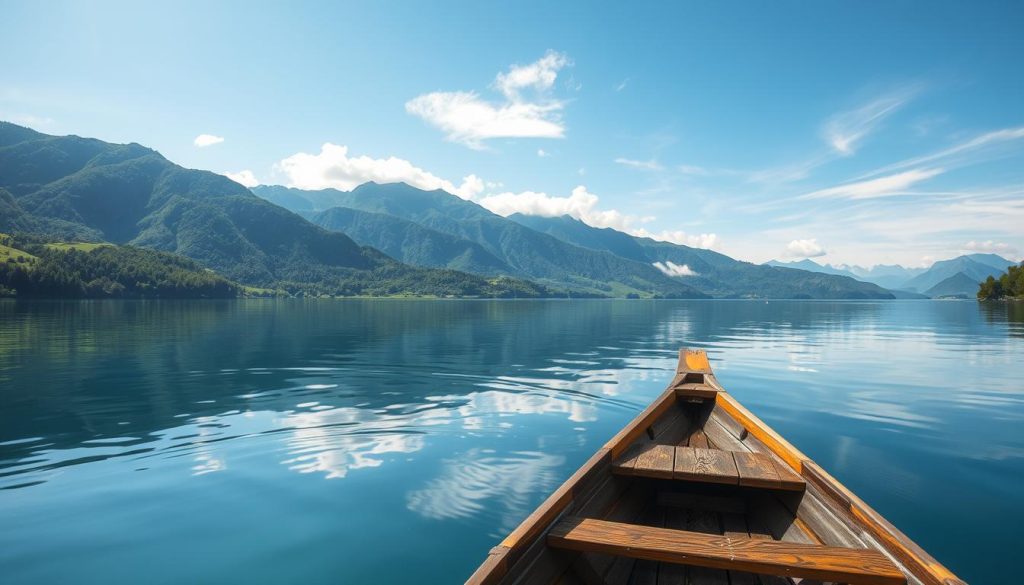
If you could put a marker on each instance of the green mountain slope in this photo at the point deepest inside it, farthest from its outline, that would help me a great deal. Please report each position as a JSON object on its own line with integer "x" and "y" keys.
{"x": 410, "y": 242}
{"x": 525, "y": 251}
{"x": 86, "y": 189}
{"x": 714, "y": 273}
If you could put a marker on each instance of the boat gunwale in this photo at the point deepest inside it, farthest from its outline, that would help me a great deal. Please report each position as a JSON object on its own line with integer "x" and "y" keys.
{"x": 501, "y": 558}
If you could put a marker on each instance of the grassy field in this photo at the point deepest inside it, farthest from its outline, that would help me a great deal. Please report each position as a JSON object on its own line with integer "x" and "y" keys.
{"x": 7, "y": 252}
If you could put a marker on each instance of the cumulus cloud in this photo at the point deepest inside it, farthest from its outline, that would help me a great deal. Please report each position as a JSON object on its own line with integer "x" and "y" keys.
{"x": 526, "y": 111}
{"x": 672, "y": 269}
{"x": 245, "y": 178}
{"x": 705, "y": 241}
{"x": 846, "y": 130}
{"x": 204, "y": 140}
{"x": 334, "y": 168}
{"x": 805, "y": 249}
{"x": 584, "y": 206}
{"x": 543, "y": 153}
{"x": 881, "y": 187}
{"x": 647, "y": 165}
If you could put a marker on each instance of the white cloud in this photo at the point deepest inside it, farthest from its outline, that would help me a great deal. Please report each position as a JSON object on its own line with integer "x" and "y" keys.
{"x": 539, "y": 75}
{"x": 468, "y": 119}
{"x": 543, "y": 153}
{"x": 334, "y": 168}
{"x": 204, "y": 140}
{"x": 846, "y": 130}
{"x": 960, "y": 153}
{"x": 583, "y": 205}
{"x": 647, "y": 165}
{"x": 622, "y": 85}
{"x": 245, "y": 178}
{"x": 990, "y": 247}
{"x": 672, "y": 269}
{"x": 805, "y": 249}
{"x": 881, "y": 187}
{"x": 705, "y": 241}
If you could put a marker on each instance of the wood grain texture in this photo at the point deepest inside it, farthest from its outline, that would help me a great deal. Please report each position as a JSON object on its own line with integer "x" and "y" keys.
{"x": 759, "y": 429}
{"x": 756, "y": 470}
{"x": 655, "y": 461}
{"x": 858, "y": 567}
{"x": 708, "y": 465}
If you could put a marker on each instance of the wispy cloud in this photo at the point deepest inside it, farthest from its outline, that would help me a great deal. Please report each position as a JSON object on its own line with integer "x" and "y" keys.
{"x": 622, "y": 84}
{"x": 881, "y": 187}
{"x": 204, "y": 140}
{"x": 845, "y": 131}
{"x": 647, "y": 165}
{"x": 543, "y": 153}
{"x": 334, "y": 168}
{"x": 976, "y": 149}
{"x": 527, "y": 111}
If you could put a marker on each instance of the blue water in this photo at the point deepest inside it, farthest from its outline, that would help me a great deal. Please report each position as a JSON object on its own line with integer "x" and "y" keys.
{"x": 347, "y": 441}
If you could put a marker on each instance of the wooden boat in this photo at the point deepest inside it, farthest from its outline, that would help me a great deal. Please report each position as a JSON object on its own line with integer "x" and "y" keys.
{"x": 697, "y": 490}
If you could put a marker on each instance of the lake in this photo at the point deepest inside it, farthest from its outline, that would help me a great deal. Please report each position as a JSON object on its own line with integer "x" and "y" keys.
{"x": 344, "y": 441}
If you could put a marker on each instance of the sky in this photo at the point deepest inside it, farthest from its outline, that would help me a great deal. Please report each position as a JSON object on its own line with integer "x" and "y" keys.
{"x": 857, "y": 133}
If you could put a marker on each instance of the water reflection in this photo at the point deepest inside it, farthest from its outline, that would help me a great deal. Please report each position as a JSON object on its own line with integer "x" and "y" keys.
{"x": 459, "y": 417}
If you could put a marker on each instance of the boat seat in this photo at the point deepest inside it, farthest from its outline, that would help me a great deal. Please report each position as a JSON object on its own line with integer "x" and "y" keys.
{"x": 808, "y": 561}
{"x": 707, "y": 465}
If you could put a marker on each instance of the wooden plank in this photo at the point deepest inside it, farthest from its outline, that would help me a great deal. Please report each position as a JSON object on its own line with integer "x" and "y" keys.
{"x": 859, "y": 567}
{"x": 756, "y": 470}
{"x": 673, "y": 573}
{"x": 721, "y": 437}
{"x": 735, "y": 526}
{"x": 705, "y": 522}
{"x": 624, "y": 465}
{"x": 759, "y": 429}
{"x": 492, "y": 569}
{"x": 698, "y": 439}
{"x": 788, "y": 479}
{"x": 655, "y": 461}
{"x": 721, "y": 504}
{"x": 638, "y": 426}
{"x": 707, "y": 465}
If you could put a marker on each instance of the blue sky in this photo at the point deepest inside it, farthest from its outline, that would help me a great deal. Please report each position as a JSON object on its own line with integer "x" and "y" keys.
{"x": 853, "y": 132}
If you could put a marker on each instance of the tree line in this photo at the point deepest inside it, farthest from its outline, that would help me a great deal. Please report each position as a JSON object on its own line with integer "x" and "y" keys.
{"x": 1009, "y": 285}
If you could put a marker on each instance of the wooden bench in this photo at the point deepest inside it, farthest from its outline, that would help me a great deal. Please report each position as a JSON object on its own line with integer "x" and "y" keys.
{"x": 708, "y": 465}
{"x": 808, "y": 561}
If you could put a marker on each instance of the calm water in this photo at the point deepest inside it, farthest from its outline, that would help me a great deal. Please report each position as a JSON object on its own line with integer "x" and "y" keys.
{"x": 349, "y": 441}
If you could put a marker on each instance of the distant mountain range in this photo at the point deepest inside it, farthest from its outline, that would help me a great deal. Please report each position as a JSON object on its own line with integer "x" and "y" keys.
{"x": 436, "y": 228}
{"x": 957, "y": 277}
{"x": 377, "y": 239}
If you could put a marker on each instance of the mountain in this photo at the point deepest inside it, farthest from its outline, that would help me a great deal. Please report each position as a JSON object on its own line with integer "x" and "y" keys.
{"x": 812, "y": 266}
{"x": 970, "y": 266}
{"x": 411, "y": 242}
{"x": 85, "y": 189}
{"x": 526, "y": 252}
{"x": 959, "y": 285}
{"x": 890, "y": 276}
{"x": 548, "y": 248}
